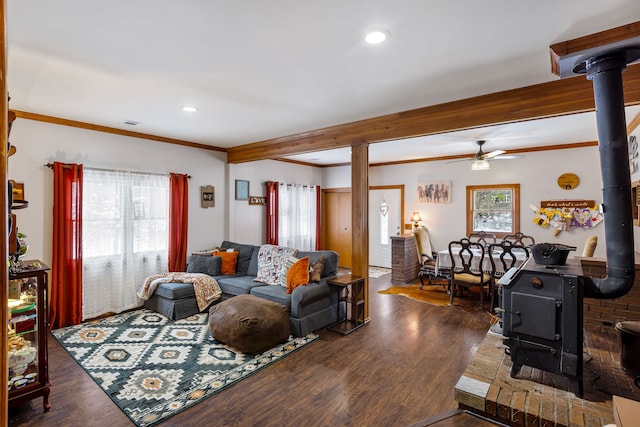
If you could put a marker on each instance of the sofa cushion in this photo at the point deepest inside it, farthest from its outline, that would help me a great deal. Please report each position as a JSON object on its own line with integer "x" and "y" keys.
{"x": 237, "y": 285}
{"x": 330, "y": 261}
{"x": 273, "y": 293}
{"x": 297, "y": 274}
{"x": 175, "y": 290}
{"x": 244, "y": 255}
{"x": 271, "y": 258}
{"x": 253, "y": 263}
{"x": 249, "y": 324}
{"x": 205, "y": 264}
{"x": 229, "y": 261}
{"x": 315, "y": 274}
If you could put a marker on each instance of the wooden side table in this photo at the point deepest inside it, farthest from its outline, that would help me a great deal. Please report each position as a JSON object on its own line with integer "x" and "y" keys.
{"x": 351, "y": 290}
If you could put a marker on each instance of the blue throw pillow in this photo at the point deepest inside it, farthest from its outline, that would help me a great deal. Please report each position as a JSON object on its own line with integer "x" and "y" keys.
{"x": 204, "y": 264}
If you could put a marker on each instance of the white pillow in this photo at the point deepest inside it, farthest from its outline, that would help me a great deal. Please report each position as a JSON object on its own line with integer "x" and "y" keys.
{"x": 271, "y": 259}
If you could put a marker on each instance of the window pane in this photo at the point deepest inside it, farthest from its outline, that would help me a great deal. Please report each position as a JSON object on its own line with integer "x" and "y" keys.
{"x": 493, "y": 210}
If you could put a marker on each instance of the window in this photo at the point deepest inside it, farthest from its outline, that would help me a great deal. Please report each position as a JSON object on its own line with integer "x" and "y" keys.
{"x": 493, "y": 208}
{"x": 125, "y": 236}
{"x": 297, "y": 213}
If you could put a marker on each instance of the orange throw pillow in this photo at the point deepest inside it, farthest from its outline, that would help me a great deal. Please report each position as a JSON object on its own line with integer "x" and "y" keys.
{"x": 298, "y": 274}
{"x": 229, "y": 261}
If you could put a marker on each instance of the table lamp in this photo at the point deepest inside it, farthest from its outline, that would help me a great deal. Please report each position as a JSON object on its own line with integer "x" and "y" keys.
{"x": 415, "y": 218}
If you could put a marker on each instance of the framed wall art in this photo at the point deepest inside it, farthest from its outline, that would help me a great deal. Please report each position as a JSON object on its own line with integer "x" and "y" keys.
{"x": 242, "y": 189}
{"x": 207, "y": 196}
{"x": 434, "y": 192}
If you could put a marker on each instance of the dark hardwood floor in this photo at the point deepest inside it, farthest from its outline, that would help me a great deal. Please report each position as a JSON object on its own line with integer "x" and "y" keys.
{"x": 398, "y": 370}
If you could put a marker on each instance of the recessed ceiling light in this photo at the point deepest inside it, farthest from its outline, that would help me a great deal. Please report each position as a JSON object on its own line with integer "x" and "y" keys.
{"x": 375, "y": 37}
{"x": 189, "y": 109}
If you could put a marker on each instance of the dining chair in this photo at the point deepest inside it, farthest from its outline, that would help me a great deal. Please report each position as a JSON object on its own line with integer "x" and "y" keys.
{"x": 590, "y": 246}
{"x": 427, "y": 259}
{"x": 483, "y": 238}
{"x": 467, "y": 259}
{"x": 519, "y": 239}
{"x": 503, "y": 256}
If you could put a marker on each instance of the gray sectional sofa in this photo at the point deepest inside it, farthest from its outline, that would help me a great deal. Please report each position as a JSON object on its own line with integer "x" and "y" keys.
{"x": 311, "y": 307}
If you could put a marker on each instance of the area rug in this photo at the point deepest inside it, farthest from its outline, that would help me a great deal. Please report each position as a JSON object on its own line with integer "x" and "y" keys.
{"x": 154, "y": 368}
{"x": 433, "y": 294}
{"x": 376, "y": 272}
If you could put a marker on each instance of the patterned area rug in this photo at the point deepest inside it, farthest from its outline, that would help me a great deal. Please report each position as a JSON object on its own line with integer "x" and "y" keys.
{"x": 153, "y": 367}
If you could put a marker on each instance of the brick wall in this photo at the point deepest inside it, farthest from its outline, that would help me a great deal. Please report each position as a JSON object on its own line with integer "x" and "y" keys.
{"x": 404, "y": 258}
{"x": 603, "y": 314}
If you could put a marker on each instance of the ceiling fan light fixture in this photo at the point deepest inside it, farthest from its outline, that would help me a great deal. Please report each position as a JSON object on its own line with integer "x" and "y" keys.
{"x": 480, "y": 165}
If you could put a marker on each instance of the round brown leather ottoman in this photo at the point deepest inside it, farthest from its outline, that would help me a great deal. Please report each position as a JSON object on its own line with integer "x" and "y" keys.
{"x": 249, "y": 324}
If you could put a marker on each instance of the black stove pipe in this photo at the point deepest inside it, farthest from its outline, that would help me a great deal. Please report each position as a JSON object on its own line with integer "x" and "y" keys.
{"x": 605, "y": 71}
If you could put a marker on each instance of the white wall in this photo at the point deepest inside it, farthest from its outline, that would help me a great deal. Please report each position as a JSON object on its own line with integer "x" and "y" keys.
{"x": 39, "y": 143}
{"x": 537, "y": 175}
{"x": 247, "y": 223}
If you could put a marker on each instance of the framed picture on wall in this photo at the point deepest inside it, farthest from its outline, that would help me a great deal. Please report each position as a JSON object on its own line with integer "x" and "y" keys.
{"x": 242, "y": 189}
{"x": 207, "y": 196}
{"x": 434, "y": 192}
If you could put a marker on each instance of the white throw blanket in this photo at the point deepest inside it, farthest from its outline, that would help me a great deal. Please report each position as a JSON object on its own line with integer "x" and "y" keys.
{"x": 205, "y": 287}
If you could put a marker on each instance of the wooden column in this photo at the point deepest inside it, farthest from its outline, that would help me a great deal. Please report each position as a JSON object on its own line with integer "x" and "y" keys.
{"x": 360, "y": 216}
{"x": 404, "y": 258}
{"x": 4, "y": 247}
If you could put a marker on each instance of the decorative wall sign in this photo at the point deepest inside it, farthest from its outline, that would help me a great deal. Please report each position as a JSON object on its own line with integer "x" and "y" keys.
{"x": 257, "y": 200}
{"x": 207, "y": 196}
{"x": 568, "y": 181}
{"x": 565, "y": 214}
{"x": 434, "y": 192}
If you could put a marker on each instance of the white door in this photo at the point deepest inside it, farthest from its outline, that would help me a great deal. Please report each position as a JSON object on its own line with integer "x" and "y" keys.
{"x": 384, "y": 221}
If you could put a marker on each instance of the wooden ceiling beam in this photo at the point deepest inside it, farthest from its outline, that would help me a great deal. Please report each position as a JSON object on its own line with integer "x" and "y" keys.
{"x": 556, "y": 98}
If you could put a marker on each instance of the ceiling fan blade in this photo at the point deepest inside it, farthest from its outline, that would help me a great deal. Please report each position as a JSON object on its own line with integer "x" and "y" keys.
{"x": 493, "y": 154}
{"x": 509, "y": 157}
{"x": 461, "y": 160}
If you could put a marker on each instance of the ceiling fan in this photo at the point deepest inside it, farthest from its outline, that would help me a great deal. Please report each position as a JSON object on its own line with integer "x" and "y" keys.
{"x": 481, "y": 159}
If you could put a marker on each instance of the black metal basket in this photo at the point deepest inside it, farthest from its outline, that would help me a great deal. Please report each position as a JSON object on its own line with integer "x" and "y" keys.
{"x": 551, "y": 253}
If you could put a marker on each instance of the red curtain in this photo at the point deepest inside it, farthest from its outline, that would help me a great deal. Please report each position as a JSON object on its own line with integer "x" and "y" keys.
{"x": 272, "y": 213}
{"x": 178, "y": 221}
{"x": 66, "y": 268}
{"x": 318, "y": 217}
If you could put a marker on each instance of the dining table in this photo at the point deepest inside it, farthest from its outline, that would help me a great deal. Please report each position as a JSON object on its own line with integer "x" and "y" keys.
{"x": 443, "y": 260}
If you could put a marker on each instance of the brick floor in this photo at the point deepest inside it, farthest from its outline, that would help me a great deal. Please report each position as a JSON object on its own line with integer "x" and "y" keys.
{"x": 539, "y": 398}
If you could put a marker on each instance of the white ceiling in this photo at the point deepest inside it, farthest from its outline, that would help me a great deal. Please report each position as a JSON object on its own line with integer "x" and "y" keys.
{"x": 259, "y": 69}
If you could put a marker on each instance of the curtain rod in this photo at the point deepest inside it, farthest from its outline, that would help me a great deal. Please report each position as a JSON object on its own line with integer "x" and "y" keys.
{"x": 50, "y": 166}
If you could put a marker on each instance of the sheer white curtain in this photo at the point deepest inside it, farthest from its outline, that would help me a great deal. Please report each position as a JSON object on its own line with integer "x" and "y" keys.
{"x": 125, "y": 237}
{"x": 297, "y": 208}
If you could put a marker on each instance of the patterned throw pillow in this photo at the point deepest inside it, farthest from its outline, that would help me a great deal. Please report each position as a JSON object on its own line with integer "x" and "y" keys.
{"x": 316, "y": 270}
{"x": 270, "y": 261}
{"x": 298, "y": 274}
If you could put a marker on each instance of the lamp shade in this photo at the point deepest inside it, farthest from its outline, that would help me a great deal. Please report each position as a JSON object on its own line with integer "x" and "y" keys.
{"x": 480, "y": 165}
{"x": 415, "y": 217}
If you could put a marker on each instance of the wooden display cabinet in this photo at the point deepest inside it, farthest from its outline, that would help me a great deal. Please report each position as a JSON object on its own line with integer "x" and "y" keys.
{"x": 27, "y": 334}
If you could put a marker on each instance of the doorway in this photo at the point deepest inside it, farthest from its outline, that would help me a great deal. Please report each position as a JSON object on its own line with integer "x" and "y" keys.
{"x": 385, "y": 220}
{"x": 336, "y": 220}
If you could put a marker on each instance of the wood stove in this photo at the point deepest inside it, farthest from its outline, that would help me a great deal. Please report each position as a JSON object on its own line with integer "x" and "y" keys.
{"x": 541, "y": 305}
{"x": 542, "y": 318}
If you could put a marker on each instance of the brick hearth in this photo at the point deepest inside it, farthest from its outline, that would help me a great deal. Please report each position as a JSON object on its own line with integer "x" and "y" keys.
{"x": 539, "y": 398}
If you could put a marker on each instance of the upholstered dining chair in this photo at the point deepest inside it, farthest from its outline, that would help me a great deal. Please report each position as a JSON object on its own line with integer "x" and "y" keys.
{"x": 518, "y": 238}
{"x": 483, "y": 237}
{"x": 427, "y": 259}
{"x": 503, "y": 256}
{"x": 590, "y": 246}
{"x": 467, "y": 259}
